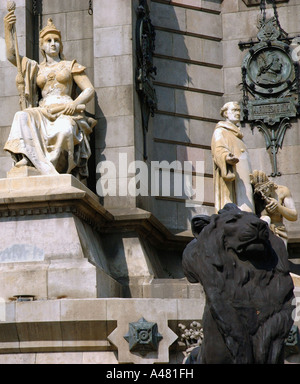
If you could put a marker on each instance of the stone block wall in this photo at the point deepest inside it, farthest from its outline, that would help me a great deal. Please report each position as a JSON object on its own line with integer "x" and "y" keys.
{"x": 189, "y": 87}
{"x": 91, "y": 331}
{"x": 114, "y": 83}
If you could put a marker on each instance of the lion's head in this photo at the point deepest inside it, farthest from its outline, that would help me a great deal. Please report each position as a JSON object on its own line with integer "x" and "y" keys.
{"x": 242, "y": 232}
{"x": 231, "y": 230}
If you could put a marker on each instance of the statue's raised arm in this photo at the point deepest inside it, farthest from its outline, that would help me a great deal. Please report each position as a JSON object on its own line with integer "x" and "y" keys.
{"x": 51, "y": 133}
{"x": 12, "y": 50}
{"x": 10, "y": 33}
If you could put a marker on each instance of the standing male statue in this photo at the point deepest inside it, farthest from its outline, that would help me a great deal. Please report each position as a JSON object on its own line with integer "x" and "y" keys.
{"x": 232, "y": 166}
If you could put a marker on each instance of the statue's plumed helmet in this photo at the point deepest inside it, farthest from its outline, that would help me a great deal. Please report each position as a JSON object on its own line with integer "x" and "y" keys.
{"x": 49, "y": 28}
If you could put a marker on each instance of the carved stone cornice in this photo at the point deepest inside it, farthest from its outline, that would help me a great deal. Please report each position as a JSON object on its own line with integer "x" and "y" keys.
{"x": 64, "y": 194}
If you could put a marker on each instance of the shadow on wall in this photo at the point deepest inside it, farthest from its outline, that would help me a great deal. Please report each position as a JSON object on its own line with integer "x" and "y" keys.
{"x": 172, "y": 121}
{"x": 113, "y": 246}
{"x": 93, "y": 161}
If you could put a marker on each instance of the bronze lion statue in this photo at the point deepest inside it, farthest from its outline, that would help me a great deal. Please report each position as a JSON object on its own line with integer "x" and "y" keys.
{"x": 243, "y": 268}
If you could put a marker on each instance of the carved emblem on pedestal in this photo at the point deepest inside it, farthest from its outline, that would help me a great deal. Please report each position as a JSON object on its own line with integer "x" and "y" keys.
{"x": 143, "y": 337}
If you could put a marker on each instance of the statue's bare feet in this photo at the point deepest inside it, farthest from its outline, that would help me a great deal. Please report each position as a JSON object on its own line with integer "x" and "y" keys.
{"x": 22, "y": 162}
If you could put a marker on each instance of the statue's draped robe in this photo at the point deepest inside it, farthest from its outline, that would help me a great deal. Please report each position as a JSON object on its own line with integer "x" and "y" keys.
{"x": 231, "y": 183}
{"x": 41, "y": 135}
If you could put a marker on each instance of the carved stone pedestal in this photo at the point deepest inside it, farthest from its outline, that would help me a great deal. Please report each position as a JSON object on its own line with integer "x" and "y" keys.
{"x": 49, "y": 245}
{"x": 61, "y": 254}
{"x": 58, "y": 241}
{"x": 24, "y": 171}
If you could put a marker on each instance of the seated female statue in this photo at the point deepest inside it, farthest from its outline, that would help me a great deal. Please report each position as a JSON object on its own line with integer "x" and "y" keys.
{"x": 52, "y": 133}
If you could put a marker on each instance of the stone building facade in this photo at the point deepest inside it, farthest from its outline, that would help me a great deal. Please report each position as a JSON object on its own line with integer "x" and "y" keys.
{"x": 133, "y": 242}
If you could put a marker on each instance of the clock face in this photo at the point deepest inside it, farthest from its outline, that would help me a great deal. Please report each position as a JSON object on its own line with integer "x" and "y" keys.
{"x": 269, "y": 69}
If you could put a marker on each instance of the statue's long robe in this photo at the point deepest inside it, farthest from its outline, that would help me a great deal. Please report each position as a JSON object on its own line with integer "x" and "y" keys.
{"x": 231, "y": 182}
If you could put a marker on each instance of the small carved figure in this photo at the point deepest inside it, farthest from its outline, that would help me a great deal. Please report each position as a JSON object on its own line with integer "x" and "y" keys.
{"x": 191, "y": 337}
{"x": 243, "y": 268}
{"x": 232, "y": 166}
{"x": 273, "y": 203}
{"x": 51, "y": 134}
